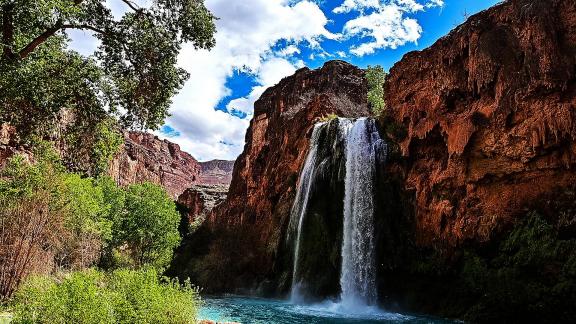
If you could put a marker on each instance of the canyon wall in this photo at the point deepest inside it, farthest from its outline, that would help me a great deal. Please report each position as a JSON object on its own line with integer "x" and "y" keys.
{"x": 481, "y": 128}
{"x": 488, "y": 119}
{"x": 265, "y": 174}
{"x": 216, "y": 172}
{"x": 144, "y": 157}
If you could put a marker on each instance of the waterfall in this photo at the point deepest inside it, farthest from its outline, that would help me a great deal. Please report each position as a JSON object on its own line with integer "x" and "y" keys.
{"x": 364, "y": 148}
{"x": 300, "y": 203}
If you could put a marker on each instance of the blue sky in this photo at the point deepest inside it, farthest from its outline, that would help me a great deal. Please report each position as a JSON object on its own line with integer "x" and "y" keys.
{"x": 261, "y": 41}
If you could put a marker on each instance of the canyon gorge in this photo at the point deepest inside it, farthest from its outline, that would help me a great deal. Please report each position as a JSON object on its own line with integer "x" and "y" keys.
{"x": 480, "y": 131}
{"x": 458, "y": 200}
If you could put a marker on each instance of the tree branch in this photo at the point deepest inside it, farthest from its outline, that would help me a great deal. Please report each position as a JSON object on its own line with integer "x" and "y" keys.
{"x": 7, "y": 30}
{"x": 23, "y": 53}
{"x": 131, "y": 5}
{"x": 92, "y": 28}
{"x": 50, "y": 32}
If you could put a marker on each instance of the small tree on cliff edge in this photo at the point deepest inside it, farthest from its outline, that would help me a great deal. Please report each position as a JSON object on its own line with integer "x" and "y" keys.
{"x": 376, "y": 77}
{"x": 133, "y": 74}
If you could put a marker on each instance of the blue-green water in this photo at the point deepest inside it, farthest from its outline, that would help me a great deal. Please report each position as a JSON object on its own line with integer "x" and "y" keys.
{"x": 254, "y": 310}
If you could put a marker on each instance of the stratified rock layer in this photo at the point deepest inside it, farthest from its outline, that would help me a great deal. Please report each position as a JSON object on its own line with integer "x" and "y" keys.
{"x": 490, "y": 117}
{"x": 216, "y": 172}
{"x": 145, "y": 157}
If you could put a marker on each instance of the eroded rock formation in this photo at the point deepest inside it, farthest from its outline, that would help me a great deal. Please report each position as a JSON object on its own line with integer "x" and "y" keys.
{"x": 489, "y": 114}
{"x": 265, "y": 174}
{"x": 144, "y": 157}
{"x": 199, "y": 200}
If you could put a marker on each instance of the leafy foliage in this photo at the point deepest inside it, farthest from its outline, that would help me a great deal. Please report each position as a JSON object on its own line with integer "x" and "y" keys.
{"x": 376, "y": 77}
{"x": 150, "y": 225}
{"x": 48, "y": 216}
{"x": 133, "y": 74}
{"x": 52, "y": 219}
{"x": 328, "y": 117}
{"x": 90, "y": 296}
{"x": 107, "y": 142}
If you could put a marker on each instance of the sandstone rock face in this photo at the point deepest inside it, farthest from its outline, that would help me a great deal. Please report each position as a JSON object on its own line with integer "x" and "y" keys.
{"x": 216, "y": 172}
{"x": 265, "y": 175}
{"x": 490, "y": 117}
{"x": 199, "y": 200}
{"x": 144, "y": 157}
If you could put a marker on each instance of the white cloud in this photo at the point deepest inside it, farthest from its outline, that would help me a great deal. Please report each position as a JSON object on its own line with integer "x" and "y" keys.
{"x": 289, "y": 51}
{"x": 247, "y": 33}
{"x": 385, "y": 25}
{"x": 356, "y": 5}
{"x": 269, "y": 74}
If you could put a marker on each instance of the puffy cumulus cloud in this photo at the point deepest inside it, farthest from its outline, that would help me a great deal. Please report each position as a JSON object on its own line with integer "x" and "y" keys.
{"x": 270, "y": 73}
{"x": 384, "y": 24}
{"x": 248, "y": 30}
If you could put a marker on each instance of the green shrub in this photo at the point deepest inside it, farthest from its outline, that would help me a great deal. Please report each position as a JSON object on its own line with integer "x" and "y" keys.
{"x": 328, "y": 118}
{"x": 376, "y": 77}
{"x": 123, "y": 296}
{"x": 149, "y": 227}
{"x": 73, "y": 222}
{"x": 107, "y": 142}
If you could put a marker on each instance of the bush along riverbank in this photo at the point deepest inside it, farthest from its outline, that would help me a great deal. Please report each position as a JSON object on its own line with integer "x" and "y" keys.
{"x": 77, "y": 249}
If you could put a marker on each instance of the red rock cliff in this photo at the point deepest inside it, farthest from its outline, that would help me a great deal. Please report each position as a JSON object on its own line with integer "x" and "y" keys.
{"x": 490, "y": 115}
{"x": 265, "y": 174}
{"x": 144, "y": 157}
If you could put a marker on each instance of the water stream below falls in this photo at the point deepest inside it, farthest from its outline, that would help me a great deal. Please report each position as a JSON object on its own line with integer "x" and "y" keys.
{"x": 363, "y": 150}
{"x": 248, "y": 310}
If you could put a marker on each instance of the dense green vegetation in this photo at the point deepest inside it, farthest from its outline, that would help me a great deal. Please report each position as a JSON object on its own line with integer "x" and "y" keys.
{"x": 532, "y": 275}
{"x": 376, "y": 76}
{"x": 59, "y": 213}
{"x": 123, "y": 296}
{"x": 53, "y": 220}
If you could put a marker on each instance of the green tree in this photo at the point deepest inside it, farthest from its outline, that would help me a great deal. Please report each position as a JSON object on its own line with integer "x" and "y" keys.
{"x": 149, "y": 226}
{"x": 132, "y": 75}
{"x": 376, "y": 77}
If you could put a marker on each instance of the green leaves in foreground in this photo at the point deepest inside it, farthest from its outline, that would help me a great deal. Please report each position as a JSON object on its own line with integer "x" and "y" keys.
{"x": 90, "y": 296}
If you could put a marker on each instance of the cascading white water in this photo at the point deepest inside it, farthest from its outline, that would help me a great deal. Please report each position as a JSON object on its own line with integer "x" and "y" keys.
{"x": 363, "y": 148}
{"x": 358, "y": 277}
{"x": 300, "y": 205}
